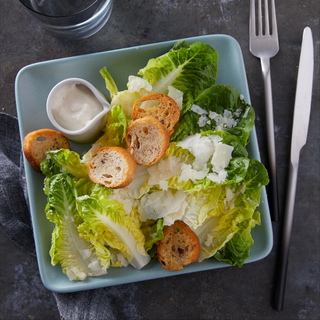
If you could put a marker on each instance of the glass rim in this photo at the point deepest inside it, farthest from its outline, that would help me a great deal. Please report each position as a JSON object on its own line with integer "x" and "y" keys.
{"x": 57, "y": 16}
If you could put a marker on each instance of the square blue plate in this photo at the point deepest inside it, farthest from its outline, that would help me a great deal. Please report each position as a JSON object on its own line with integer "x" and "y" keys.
{"x": 33, "y": 84}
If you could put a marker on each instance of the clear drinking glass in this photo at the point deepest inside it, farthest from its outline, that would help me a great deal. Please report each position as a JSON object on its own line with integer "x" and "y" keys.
{"x": 72, "y": 19}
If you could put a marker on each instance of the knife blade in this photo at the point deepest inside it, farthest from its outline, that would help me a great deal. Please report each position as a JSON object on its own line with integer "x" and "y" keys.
{"x": 302, "y": 109}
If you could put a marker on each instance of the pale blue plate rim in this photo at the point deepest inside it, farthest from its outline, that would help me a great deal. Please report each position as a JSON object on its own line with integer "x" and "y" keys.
{"x": 31, "y": 87}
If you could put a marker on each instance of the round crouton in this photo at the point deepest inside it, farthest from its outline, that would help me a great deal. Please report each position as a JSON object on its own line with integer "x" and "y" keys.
{"x": 113, "y": 167}
{"x": 37, "y": 143}
{"x": 179, "y": 248}
{"x": 166, "y": 111}
{"x": 147, "y": 140}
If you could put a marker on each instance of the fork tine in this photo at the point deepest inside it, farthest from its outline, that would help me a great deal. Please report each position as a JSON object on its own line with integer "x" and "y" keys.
{"x": 274, "y": 19}
{"x": 252, "y": 18}
{"x": 259, "y": 18}
{"x": 266, "y": 18}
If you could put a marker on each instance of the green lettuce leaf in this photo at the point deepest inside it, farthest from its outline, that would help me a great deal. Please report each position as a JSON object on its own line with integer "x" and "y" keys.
{"x": 115, "y": 130}
{"x": 110, "y": 84}
{"x": 226, "y": 234}
{"x": 113, "y": 134}
{"x": 222, "y": 108}
{"x": 236, "y": 170}
{"x": 188, "y": 68}
{"x": 77, "y": 257}
{"x": 64, "y": 161}
{"x": 237, "y": 250}
{"x": 106, "y": 223}
{"x": 152, "y": 233}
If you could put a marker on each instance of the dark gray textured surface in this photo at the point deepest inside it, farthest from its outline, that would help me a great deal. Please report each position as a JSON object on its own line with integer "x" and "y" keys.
{"x": 229, "y": 293}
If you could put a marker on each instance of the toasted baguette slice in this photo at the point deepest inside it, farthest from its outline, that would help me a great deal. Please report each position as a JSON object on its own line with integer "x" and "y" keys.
{"x": 113, "y": 167}
{"x": 147, "y": 140}
{"x": 37, "y": 143}
{"x": 179, "y": 248}
{"x": 167, "y": 111}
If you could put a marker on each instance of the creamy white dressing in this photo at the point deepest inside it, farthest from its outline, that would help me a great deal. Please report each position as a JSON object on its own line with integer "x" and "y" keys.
{"x": 74, "y": 105}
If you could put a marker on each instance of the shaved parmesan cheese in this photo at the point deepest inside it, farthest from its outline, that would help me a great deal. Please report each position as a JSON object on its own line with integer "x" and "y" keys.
{"x": 218, "y": 177}
{"x": 164, "y": 185}
{"x": 221, "y": 156}
{"x": 202, "y": 147}
{"x": 223, "y": 122}
{"x": 187, "y": 173}
{"x": 86, "y": 253}
{"x": 237, "y": 113}
{"x": 163, "y": 170}
{"x": 205, "y": 148}
{"x": 176, "y": 95}
{"x": 172, "y": 217}
{"x": 136, "y": 84}
{"x": 202, "y": 121}
{"x": 139, "y": 184}
{"x": 123, "y": 197}
{"x": 246, "y": 112}
{"x": 160, "y": 204}
{"x": 212, "y": 114}
{"x": 198, "y": 110}
{"x": 208, "y": 240}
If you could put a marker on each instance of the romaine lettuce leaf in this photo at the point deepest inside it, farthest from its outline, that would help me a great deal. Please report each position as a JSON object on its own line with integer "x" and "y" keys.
{"x": 113, "y": 134}
{"x": 64, "y": 161}
{"x": 106, "y": 223}
{"x": 110, "y": 84}
{"x": 77, "y": 257}
{"x": 227, "y": 236}
{"x": 188, "y": 68}
{"x": 220, "y": 107}
{"x": 183, "y": 159}
{"x": 153, "y": 232}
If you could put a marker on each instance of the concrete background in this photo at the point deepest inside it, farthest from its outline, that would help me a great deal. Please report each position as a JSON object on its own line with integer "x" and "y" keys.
{"x": 228, "y": 293}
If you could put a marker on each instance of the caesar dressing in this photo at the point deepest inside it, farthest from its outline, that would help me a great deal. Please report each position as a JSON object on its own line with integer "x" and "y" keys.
{"x": 74, "y": 105}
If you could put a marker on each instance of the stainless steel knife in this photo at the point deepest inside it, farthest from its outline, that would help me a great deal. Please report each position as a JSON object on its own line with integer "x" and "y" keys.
{"x": 301, "y": 119}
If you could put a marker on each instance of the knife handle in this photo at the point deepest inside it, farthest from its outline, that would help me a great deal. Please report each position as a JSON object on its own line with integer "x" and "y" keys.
{"x": 273, "y": 185}
{"x": 283, "y": 254}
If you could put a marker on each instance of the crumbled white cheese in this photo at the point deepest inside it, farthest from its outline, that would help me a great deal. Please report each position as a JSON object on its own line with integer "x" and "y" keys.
{"x": 163, "y": 185}
{"x": 139, "y": 184}
{"x": 187, "y": 173}
{"x": 202, "y": 121}
{"x": 205, "y": 148}
{"x": 202, "y": 147}
{"x": 95, "y": 266}
{"x": 237, "y": 113}
{"x": 176, "y": 95}
{"x": 135, "y": 84}
{"x": 208, "y": 240}
{"x": 198, "y": 109}
{"x": 173, "y": 216}
{"x": 123, "y": 197}
{"x": 241, "y": 97}
{"x": 163, "y": 170}
{"x": 246, "y": 112}
{"x": 218, "y": 177}
{"x": 160, "y": 204}
{"x": 122, "y": 259}
{"x": 221, "y": 156}
{"x": 86, "y": 253}
{"x": 212, "y": 114}
{"x": 223, "y": 122}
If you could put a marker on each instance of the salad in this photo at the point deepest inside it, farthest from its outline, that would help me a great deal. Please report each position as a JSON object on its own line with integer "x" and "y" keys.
{"x": 205, "y": 179}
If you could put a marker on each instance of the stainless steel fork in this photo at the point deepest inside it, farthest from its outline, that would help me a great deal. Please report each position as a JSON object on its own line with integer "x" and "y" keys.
{"x": 264, "y": 44}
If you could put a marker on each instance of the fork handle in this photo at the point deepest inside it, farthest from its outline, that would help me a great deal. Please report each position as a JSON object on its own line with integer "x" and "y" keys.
{"x": 273, "y": 185}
